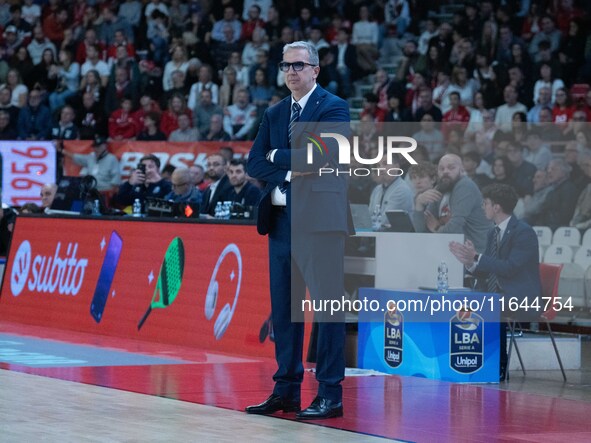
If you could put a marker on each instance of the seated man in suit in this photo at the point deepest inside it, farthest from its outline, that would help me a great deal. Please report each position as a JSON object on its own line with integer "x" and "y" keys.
{"x": 219, "y": 186}
{"x": 510, "y": 264}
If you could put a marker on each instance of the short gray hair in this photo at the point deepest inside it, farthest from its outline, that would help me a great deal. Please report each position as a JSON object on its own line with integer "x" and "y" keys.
{"x": 312, "y": 52}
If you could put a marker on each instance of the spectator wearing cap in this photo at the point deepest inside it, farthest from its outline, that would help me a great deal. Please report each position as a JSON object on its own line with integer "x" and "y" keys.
{"x": 12, "y": 41}
{"x": 34, "y": 120}
{"x": 100, "y": 163}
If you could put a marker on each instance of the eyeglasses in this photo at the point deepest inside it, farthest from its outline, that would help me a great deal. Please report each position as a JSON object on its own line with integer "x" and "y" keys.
{"x": 297, "y": 66}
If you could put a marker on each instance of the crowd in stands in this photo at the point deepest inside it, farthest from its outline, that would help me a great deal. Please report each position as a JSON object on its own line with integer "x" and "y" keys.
{"x": 509, "y": 81}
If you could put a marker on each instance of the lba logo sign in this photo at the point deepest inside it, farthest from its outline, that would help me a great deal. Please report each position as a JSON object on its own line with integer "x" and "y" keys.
{"x": 47, "y": 274}
{"x": 386, "y": 146}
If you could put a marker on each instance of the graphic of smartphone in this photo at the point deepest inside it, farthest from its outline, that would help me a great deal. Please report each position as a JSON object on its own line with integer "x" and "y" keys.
{"x": 103, "y": 285}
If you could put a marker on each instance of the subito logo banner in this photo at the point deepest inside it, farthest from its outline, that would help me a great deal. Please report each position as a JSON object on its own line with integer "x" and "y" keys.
{"x": 466, "y": 336}
{"x": 97, "y": 275}
{"x": 61, "y": 273}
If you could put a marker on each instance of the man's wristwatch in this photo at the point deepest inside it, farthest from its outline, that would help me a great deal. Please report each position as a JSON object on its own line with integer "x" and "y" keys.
{"x": 476, "y": 256}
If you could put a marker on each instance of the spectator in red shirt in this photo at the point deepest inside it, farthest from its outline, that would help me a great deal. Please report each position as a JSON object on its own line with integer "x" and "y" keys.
{"x": 90, "y": 39}
{"x": 54, "y": 26}
{"x": 370, "y": 107}
{"x": 457, "y": 117}
{"x": 254, "y": 21}
{"x": 176, "y": 106}
{"x": 120, "y": 40}
{"x": 562, "y": 112}
{"x": 146, "y": 105}
{"x": 122, "y": 125}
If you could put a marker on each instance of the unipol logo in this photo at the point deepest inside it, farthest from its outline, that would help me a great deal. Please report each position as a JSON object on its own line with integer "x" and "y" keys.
{"x": 20, "y": 268}
{"x": 62, "y": 273}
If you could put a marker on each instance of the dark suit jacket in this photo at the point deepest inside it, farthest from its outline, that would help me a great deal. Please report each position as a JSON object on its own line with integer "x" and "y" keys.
{"x": 350, "y": 60}
{"x": 221, "y": 194}
{"x": 319, "y": 200}
{"x": 517, "y": 267}
{"x": 559, "y": 206}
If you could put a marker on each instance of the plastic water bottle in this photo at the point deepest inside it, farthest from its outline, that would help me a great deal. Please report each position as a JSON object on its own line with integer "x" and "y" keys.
{"x": 442, "y": 282}
{"x": 137, "y": 208}
{"x": 375, "y": 219}
{"x": 96, "y": 208}
{"x": 218, "y": 210}
{"x": 227, "y": 211}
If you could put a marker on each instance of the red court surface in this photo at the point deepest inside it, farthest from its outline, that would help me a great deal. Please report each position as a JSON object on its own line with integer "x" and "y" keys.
{"x": 403, "y": 408}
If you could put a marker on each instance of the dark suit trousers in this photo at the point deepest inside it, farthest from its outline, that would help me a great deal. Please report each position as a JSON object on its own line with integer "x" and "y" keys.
{"x": 314, "y": 262}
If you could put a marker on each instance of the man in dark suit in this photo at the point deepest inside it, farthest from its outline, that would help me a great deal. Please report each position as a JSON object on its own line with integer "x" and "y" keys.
{"x": 510, "y": 264}
{"x": 219, "y": 188}
{"x": 306, "y": 217}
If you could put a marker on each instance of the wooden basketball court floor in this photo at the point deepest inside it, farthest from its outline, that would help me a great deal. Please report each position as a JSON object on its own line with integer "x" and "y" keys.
{"x": 144, "y": 392}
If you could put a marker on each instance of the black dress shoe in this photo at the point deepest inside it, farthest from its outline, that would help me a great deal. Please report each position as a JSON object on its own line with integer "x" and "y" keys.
{"x": 273, "y": 404}
{"x": 503, "y": 374}
{"x": 321, "y": 408}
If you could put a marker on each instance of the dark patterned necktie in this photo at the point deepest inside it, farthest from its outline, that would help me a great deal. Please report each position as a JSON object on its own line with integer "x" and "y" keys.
{"x": 295, "y": 116}
{"x": 492, "y": 284}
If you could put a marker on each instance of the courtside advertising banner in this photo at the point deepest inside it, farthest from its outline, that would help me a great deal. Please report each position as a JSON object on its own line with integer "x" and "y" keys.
{"x": 201, "y": 285}
{"x": 26, "y": 167}
{"x": 176, "y": 154}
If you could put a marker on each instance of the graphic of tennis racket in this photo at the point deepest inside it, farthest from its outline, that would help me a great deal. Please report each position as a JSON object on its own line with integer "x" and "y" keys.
{"x": 170, "y": 278}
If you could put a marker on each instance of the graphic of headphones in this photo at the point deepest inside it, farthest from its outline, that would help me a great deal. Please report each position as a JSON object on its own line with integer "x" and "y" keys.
{"x": 225, "y": 316}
